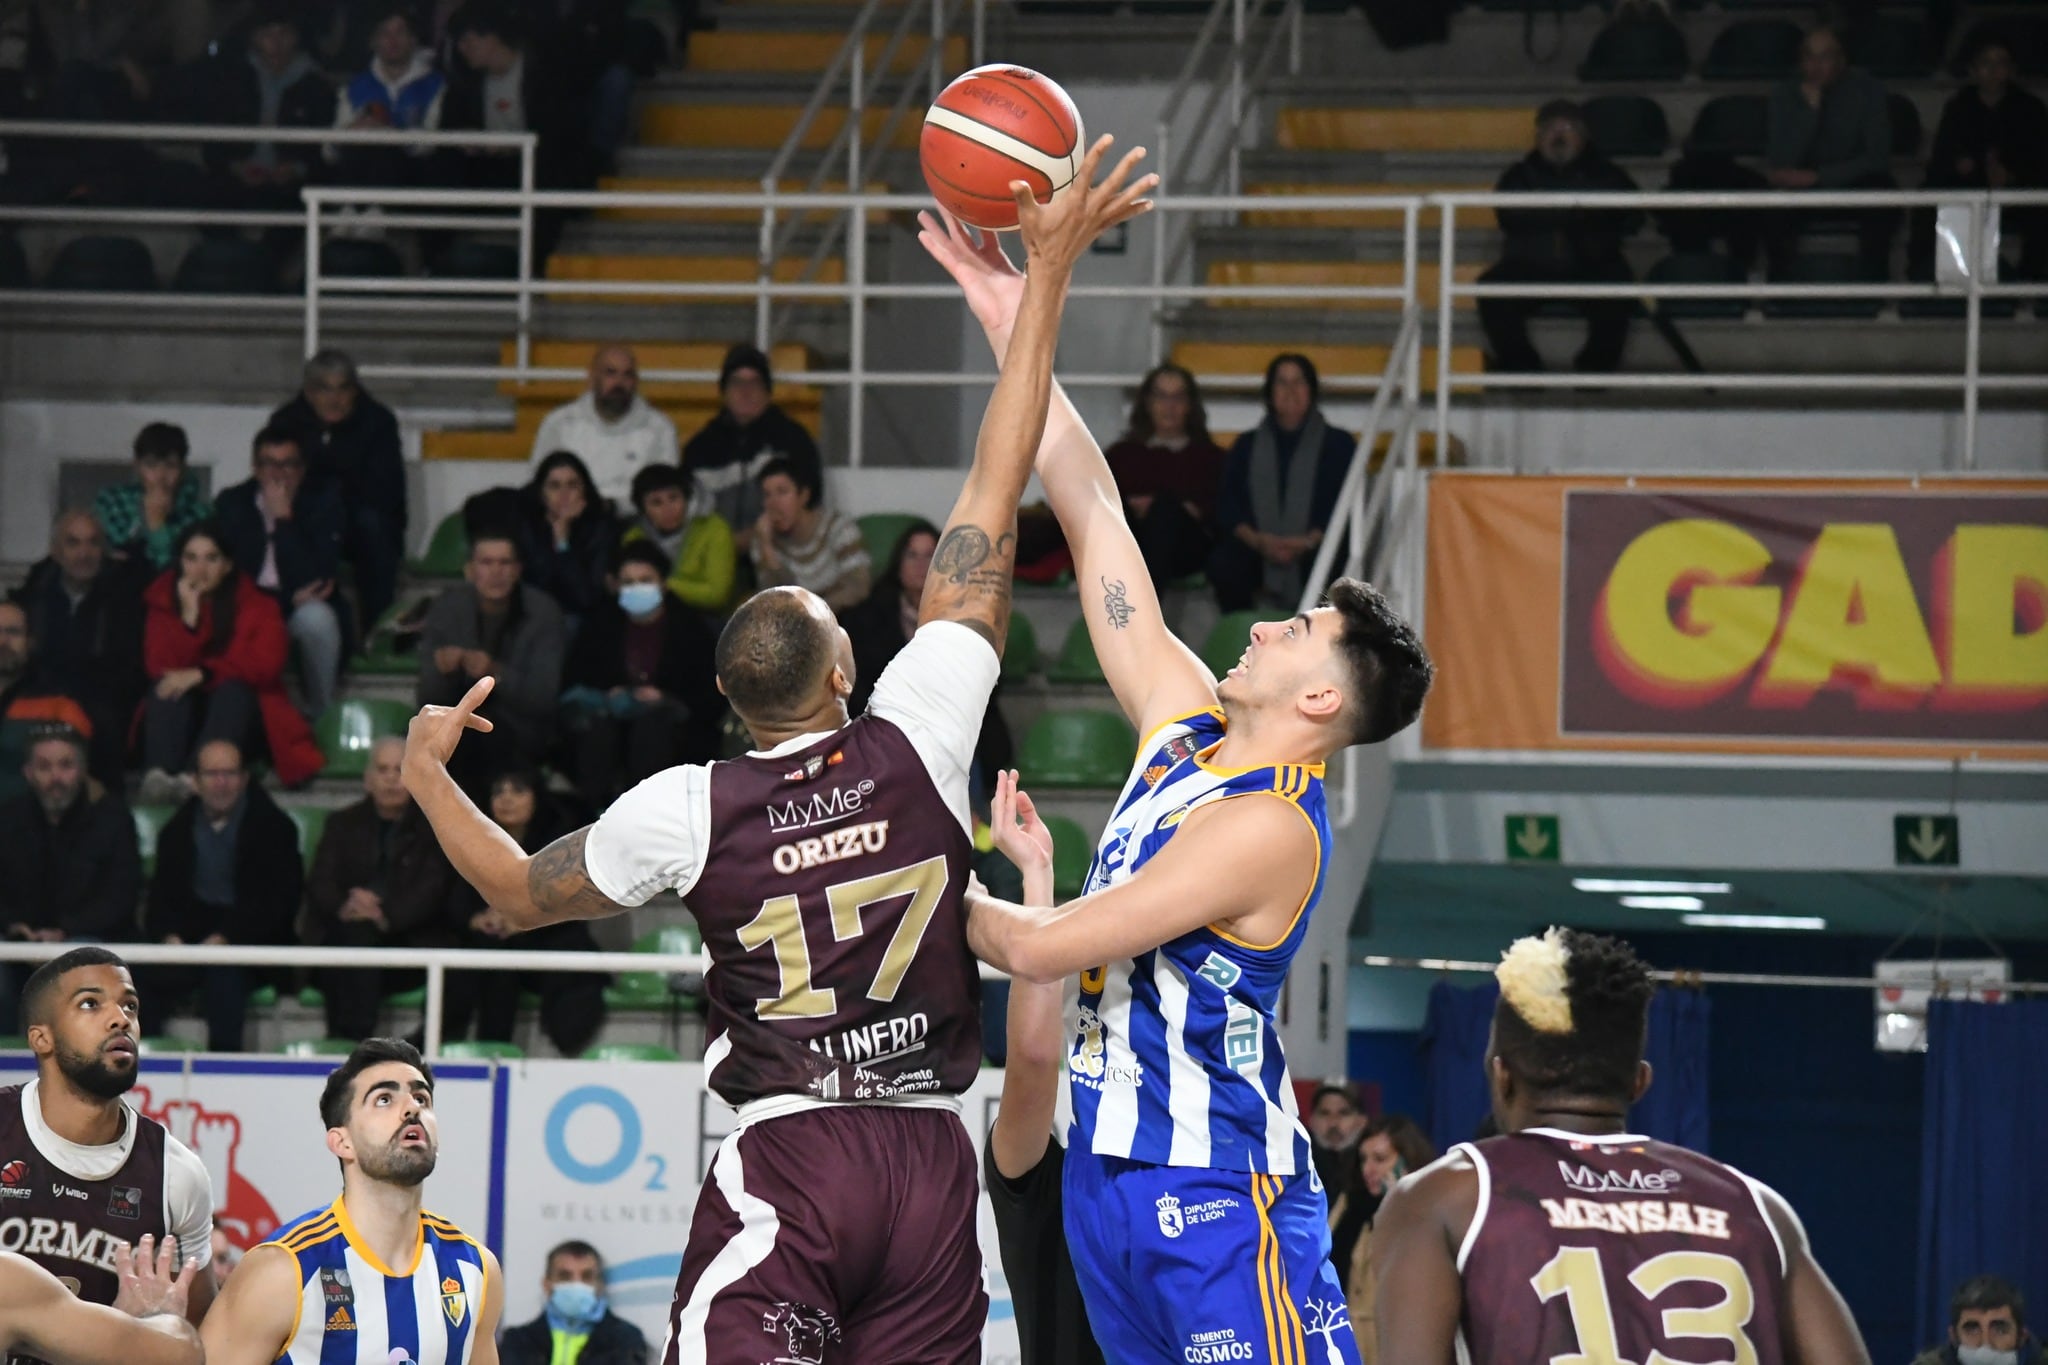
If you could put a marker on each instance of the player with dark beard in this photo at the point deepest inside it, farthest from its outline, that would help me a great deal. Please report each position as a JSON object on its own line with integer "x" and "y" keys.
{"x": 321, "y": 1291}
{"x": 75, "y": 1159}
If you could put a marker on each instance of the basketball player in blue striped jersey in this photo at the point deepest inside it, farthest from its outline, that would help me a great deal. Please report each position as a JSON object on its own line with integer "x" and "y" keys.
{"x": 1197, "y": 1226}
{"x": 372, "y": 1279}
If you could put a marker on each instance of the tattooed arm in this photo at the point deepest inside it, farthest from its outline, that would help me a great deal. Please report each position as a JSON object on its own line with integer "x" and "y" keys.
{"x": 970, "y": 573}
{"x": 1155, "y": 677}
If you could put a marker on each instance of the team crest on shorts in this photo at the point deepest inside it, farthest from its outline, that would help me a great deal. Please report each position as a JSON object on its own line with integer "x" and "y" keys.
{"x": 453, "y": 1301}
{"x": 1169, "y": 1216}
{"x": 805, "y": 1333}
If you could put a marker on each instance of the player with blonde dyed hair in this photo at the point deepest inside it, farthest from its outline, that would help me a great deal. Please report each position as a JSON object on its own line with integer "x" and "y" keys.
{"x": 1572, "y": 1239}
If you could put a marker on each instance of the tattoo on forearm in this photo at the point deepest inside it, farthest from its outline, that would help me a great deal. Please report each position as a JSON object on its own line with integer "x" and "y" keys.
{"x": 1116, "y": 603}
{"x": 970, "y": 580}
{"x": 560, "y": 884}
{"x": 965, "y": 549}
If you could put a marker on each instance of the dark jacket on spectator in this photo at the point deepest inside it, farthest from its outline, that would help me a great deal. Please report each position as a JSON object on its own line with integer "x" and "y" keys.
{"x": 527, "y": 661}
{"x": 2016, "y": 128}
{"x": 91, "y": 649}
{"x": 613, "y": 1341}
{"x": 1847, "y": 139}
{"x": 1191, "y": 474}
{"x": 726, "y": 458}
{"x": 875, "y": 628}
{"x": 572, "y": 574}
{"x": 411, "y": 876}
{"x": 308, "y": 541}
{"x": 362, "y": 453}
{"x": 232, "y": 93}
{"x": 554, "y": 103}
{"x": 686, "y": 670}
{"x": 255, "y": 654}
{"x": 83, "y": 875}
{"x": 1234, "y": 504}
{"x": 2031, "y": 1352}
{"x": 269, "y": 878}
{"x": 1563, "y": 236}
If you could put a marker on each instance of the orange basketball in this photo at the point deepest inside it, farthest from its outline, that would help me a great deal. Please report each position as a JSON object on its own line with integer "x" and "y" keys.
{"x": 993, "y": 125}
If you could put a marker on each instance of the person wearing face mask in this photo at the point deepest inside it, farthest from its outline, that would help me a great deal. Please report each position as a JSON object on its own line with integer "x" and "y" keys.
{"x": 1390, "y": 1148}
{"x": 642, "y": 691}
{"x": 1987, "y": 1325}
{"x": 577, "y": 1325}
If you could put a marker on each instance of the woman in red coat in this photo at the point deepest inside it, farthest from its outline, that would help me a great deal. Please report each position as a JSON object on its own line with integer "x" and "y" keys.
{"x": 214, "y": 646}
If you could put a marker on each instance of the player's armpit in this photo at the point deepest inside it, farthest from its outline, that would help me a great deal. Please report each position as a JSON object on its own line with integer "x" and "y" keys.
{"x": 970, "y": 577}
{"x": 559, "y": 886}
{"x": 256, "y": 1314}
{"x": 1816, "y": 1324}
{"x": 1417, "y": 1295}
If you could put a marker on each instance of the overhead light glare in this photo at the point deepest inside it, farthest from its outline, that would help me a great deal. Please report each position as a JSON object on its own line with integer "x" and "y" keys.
{"x": 1606, "y": 886}
{"x": 1663, "y": 903}
{"x": 1809, "y": 922}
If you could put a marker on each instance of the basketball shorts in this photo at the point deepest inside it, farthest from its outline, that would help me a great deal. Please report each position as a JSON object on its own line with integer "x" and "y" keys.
{"x": 835, "y": 1237}
{"x": 1188, "y": 1265}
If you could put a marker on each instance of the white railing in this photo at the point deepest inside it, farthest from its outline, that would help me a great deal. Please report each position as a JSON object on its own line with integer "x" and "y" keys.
{"x": 435, "y": 962}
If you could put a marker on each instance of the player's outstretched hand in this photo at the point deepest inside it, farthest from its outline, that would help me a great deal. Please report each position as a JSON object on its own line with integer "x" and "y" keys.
{"x": 1059, "y": 232}
{"x": 1019, "y": 834}
{"x": 975, "y": 259}
{"x": 151, "y": 1281}
{"x": 436, "y": 730}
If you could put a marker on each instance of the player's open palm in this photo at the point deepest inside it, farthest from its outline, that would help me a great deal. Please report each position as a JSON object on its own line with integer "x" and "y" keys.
{"x": 1058, "y": 232}
{"x": 436, "y": 730}
{"x": 151, "y": 1281}
{"x": 994, "y": 288}
{"x": 1020, "y": 835}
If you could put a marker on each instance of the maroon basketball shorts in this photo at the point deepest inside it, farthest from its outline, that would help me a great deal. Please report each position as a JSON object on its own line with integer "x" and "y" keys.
{"x": 838, "y": 1236}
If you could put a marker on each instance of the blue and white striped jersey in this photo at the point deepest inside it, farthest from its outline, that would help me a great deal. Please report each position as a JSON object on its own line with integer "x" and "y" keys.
{"x": 1175, "y": 1056}
{"x": 355, "y": 1310}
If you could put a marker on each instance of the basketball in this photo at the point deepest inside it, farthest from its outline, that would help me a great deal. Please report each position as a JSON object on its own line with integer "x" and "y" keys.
{"x": 993, "y": 125}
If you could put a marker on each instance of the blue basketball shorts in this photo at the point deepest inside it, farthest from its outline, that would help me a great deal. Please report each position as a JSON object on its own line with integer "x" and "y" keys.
{"x": 1189, "y": 1265}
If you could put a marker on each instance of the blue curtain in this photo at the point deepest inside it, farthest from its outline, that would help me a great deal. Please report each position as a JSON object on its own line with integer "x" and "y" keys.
{"x": 1984, "y": 1134}
{"x": 1454, "y": 1065}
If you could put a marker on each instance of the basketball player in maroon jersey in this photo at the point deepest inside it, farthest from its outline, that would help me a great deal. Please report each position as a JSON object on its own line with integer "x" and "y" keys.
{"x": 1570, "y": 1240}
{"x": 826, "y": 871}
{"x": 41, "y": 1318}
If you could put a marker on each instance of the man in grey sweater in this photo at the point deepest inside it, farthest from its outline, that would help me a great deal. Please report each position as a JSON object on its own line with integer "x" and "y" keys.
{"x": 1830, "y": 130}
{"x": 494, "y": 625}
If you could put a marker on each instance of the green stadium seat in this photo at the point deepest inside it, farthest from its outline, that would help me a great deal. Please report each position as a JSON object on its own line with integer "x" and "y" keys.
{"x": 382, "y": 658}
{"x": 149, "y": 825}
{"x": 480, "y": 1050}
{"x": 13, "y": 1044}
{"x": 166, "y": 1043}
{"x": 880, "y": 531}
{"x": 311, "y": 998}
{"x": 311, "y": 821}
{"x": 1076, "y": 749}
{"x": 1754, "y": 50}
{"x": 319, "y": 1047}
{"x": 350, "y": 726}
{"x": 1627, "y": 125}
{"x": 263, "y": 998}
{"x": 1077, "y": 662}
{"x": 631, "y": 1052}
{"x": 414, "y": 999}
{"x": 1227, "y": 639}
{"x": 446, "y": 552}
{"x": 650, "y": 990}
{"x": 1636, "y": 49}
{"x": 1072, "y": 851}
{"x": 1698, "y": 267}
{"x": 1020, "y": 649}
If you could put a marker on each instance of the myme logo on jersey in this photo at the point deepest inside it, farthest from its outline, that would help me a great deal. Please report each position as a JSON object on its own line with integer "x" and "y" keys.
{"x": 827, "y": 807}
{"x": 1589, "y": 1181}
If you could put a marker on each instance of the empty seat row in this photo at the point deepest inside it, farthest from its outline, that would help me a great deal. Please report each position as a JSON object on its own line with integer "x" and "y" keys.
{"x": 234, "y": 265}
{"x": 1729, "y": 125}
{"x": 1653, "y": 49}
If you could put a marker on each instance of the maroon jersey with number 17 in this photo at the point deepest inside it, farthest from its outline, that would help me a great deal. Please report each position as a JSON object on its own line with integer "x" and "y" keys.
{"x": 1616, "y": 1248}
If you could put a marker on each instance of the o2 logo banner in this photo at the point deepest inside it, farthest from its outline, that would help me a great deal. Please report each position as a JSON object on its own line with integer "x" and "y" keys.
{"x": 1909, "y": 616}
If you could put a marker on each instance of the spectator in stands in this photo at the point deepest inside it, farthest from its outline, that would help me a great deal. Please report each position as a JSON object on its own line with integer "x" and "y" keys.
{"x": 797, "y": 541}
{"x": 641, "y": 689}
{"x": 566, "y": 536}
{"x": 228, "y": 870}
{"x": 214, "y": 648}
{"x": 695, "y": 538}
{"x": 401, "y": 89}
{"x": 507, "y": 85}
{"x": 104, "y": 57}
{"x": 725, "y": 459}
{"x": 1168, "y": 471}
{"x": 611, "y": 428}
{"x": 29, "y": 703}
{"x": 85, "y": 615}
{"x": 379, "y": 880}
{"x": 1830, "y": 129}
{"x": 284, "y": 533}
{"x": 1987, "y": 1325}
{"x": 493, "y": 624}
{"x": 269, "y": 83}
{"x": 70, "y": 870}
{"x": 1280, "y": 488}
{"x": 1560, "y": 246}
{"x": 1335, "y": 1125}
{"x": 575, "y": 1324}
{"x": 1993, "y": 136}
{"x": 144, "y": 520}
{"x": 1390, "y": 1148}
{"x": 351, "y": 439}
{"x": 571, "y": 1003}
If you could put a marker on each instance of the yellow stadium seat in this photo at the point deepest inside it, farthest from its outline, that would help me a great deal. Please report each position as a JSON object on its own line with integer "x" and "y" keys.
{"x": 627, "y": 184}
{"x": 1360, "y": 218}
{"x": 681, "y": 270}
{"x": 664, "y": 355}
{"x": 811, "y": 53}
{"x": 758, "y": 127}
{"x": 1406, "y": 129}
{"x": 1245, "y": 361}
{"x": 1342, "y": 274}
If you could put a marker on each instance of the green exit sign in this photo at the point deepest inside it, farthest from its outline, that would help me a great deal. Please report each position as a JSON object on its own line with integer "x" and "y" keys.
{"x": 1926, "y": 841}
{"x": 1532, "y": 838}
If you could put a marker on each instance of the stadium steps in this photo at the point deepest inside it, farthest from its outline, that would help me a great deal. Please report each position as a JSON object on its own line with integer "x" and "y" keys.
{"x": 809, "y": 53}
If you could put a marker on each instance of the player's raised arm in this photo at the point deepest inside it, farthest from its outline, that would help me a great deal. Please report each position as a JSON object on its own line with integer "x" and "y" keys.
{"x": 1034, "y": 1069}
{"x": 970, "y": 572}
{"x": 40, "y": 1318}
{"x": 1155, "y": 677}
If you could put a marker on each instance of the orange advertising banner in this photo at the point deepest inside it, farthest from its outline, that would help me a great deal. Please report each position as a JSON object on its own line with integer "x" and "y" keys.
{"x": 1851, "y": 617}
